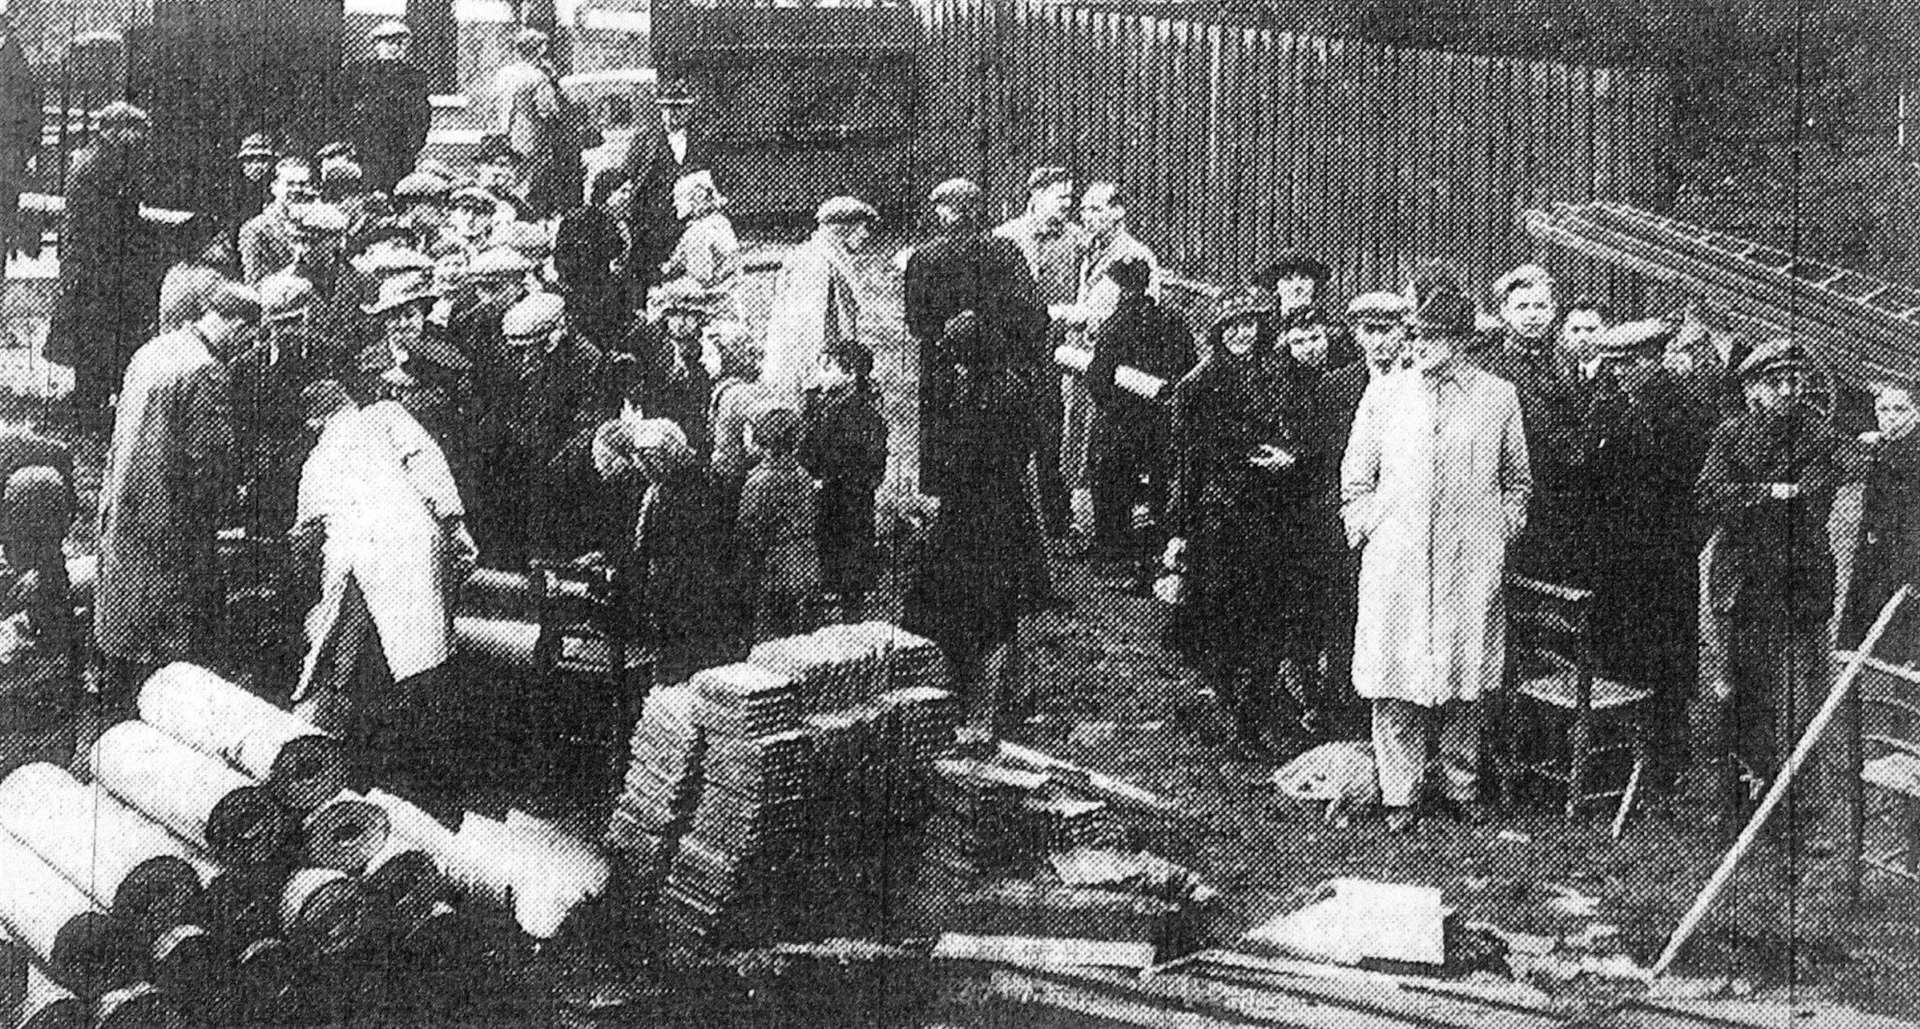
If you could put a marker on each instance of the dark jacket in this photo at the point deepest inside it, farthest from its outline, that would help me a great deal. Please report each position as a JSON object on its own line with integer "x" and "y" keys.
{"x": 1773, "y": 549}
{"x": 1251, "y": 559}
{"x": 1138, "y": 334}
{"x": 1552, "y": 400}
{"x": 1889, "y": 552}
{"x": 110, "y": 264}
{"x": 651, "y": 165}
{"x": 843, "y": 443}
{"x": 778, "y": 536}
{"x": 977, "y": 272}
{"x": 667, "y": 380}
{"x": 588, "y": 249}
{"x": 388, "y": 102}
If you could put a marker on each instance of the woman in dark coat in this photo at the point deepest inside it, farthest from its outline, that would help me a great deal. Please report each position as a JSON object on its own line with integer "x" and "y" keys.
{"x": 1241, "y": 508}
{"x": 1889, "y": 553}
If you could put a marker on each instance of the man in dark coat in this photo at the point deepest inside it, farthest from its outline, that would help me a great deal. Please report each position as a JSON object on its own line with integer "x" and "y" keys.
{"x": 973, "y": 309}
{"x": 1646, "y": 436}
{"x": 19, "y": 134}
{"x": 656, "y": 161}
{"x": 1129, "y": 437}
{"x": 1767, "y": 485}
{"x": 963, "y": 269}
{"x": 109, "y": 268}
{"x": 535, "y": 437}
{"x": 387, "y": 100}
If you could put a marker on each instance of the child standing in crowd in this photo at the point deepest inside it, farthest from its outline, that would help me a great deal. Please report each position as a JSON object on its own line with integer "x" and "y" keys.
{"x": 843, "y": 443}
{"x": 777, "y": 533}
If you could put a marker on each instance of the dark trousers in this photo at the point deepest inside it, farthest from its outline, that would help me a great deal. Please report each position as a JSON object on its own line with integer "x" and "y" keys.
{"x": 1056, "y": 505}
{"x": 1121, "y": 482}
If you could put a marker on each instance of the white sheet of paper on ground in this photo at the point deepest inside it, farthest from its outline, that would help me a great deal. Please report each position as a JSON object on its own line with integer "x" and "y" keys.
{"x": 530, "y": 865}
{"x": 1352, "y": 920}
{"x": 1044, "y": 951}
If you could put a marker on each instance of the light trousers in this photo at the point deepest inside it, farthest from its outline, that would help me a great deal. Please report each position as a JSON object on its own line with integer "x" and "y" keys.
{"x": 1402, "y": 748}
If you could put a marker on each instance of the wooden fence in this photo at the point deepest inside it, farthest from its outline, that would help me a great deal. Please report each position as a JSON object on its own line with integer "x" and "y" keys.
{"x": 1239, "y": 143}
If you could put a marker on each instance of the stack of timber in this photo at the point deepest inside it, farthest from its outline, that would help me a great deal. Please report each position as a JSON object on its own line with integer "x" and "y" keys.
{"x": 1868, "y": 328}
{"x": 782, "y": 795}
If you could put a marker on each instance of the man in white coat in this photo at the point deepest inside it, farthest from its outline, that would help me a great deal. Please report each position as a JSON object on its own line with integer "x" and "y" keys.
{"x": 395, "y": 547}
{"x": 1434, "y": 487}
{"x": 816, "y": 300}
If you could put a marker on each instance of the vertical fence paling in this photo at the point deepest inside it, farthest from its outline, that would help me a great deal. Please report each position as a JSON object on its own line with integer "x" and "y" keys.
{"x": 1236, "y": 143}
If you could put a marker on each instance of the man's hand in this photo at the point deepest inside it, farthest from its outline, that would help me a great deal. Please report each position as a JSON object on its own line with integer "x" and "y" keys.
{"x": 1171, "y": 558}
{"x": 1067, "y": 314}
{"x": 1271, "y": 458}
{"x": 463, "y": 554}
{"x": 1783, "y": 490}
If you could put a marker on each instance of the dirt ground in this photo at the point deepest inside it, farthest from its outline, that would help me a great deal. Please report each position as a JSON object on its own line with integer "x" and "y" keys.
{"x": 1115, "y": 700}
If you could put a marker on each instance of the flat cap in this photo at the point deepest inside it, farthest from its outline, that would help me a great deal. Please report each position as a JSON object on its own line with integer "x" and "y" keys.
{"x": 1525, "y": 275}
{"x": 285, "y": 296}
{"x": 390, "y": 29}
{"x": 386, "y": 262}
{"x": 437, "y": 168}
{"x": 1378, "y": 307}
{"x": 257, "y": 146}
{"x": 432, "y": 351}
{"x": 122, "y": 113}
{"x": 1048, "y": 175}
{"x": 399, "y": 291}
{"x": 1629, "y": 338}
{"x": 674, "y": 94}
{"x": 319, "y": 220}
{"x": 526, "y": 237}
{"x": 845, "y": 210}
{"x": 535, "y": 315}
{"x": 421, "y": 186}
{"x": 1445, "y": 311}
{"x": 37, "y": 502}
{"x": 956, "y": 192}
{"x": 496, "y": 147}
{"x": 499, "y": 263}
{"x": 1774, "y": 355}
{"x": 475, "y": 197}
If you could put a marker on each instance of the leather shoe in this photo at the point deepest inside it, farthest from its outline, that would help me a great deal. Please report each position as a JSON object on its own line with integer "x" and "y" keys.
{"x": 1401, "y": 820}
{"x": 1473, "y": 813}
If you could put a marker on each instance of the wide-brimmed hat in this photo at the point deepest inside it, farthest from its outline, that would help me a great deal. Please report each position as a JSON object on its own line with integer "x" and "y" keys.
{"x": 421, "y": 186}
{"x": 398, "y": 292}
{"x": 1445, "y": 312}
{"x": 498, "y": 264}
{"x": 390, "y": 29}
{"x": 845, "y": 210}
{"x": 1243, "y": 303}
{"x": 318, "y": 220}
{"x": 474, "y": 197}
{"x": 1293, "y": 265}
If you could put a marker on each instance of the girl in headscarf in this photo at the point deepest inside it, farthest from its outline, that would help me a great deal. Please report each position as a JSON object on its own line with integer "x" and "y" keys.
{"x": 706, "y": 261}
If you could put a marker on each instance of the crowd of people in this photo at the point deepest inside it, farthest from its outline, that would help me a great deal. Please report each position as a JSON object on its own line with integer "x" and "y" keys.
{"x": 390, "y": 370}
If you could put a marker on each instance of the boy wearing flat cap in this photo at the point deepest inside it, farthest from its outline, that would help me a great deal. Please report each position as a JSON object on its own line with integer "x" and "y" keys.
{"x": 1766, "y": 491}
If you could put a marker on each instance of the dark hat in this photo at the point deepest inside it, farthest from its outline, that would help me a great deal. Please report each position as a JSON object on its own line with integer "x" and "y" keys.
{"x": 257, "y": 146}
{"x": 1306, "y": 317}
{"x": 434, "y": 352}
{"x": 1048, "y": 175}
{"x": 1243, "y": 303}
{"x": 495, "y": 147}
{"x": 674, "y": 93}
{"x": 775, "y": 427}
{"x": 1444, "y": 312}
{"x": 1131, "y": 274}
{"x": 1629, "y": 338}
{"x": 1292, "y": 265}
{"x": 1773, "y": 356}
{"x": 37, "y": 502}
